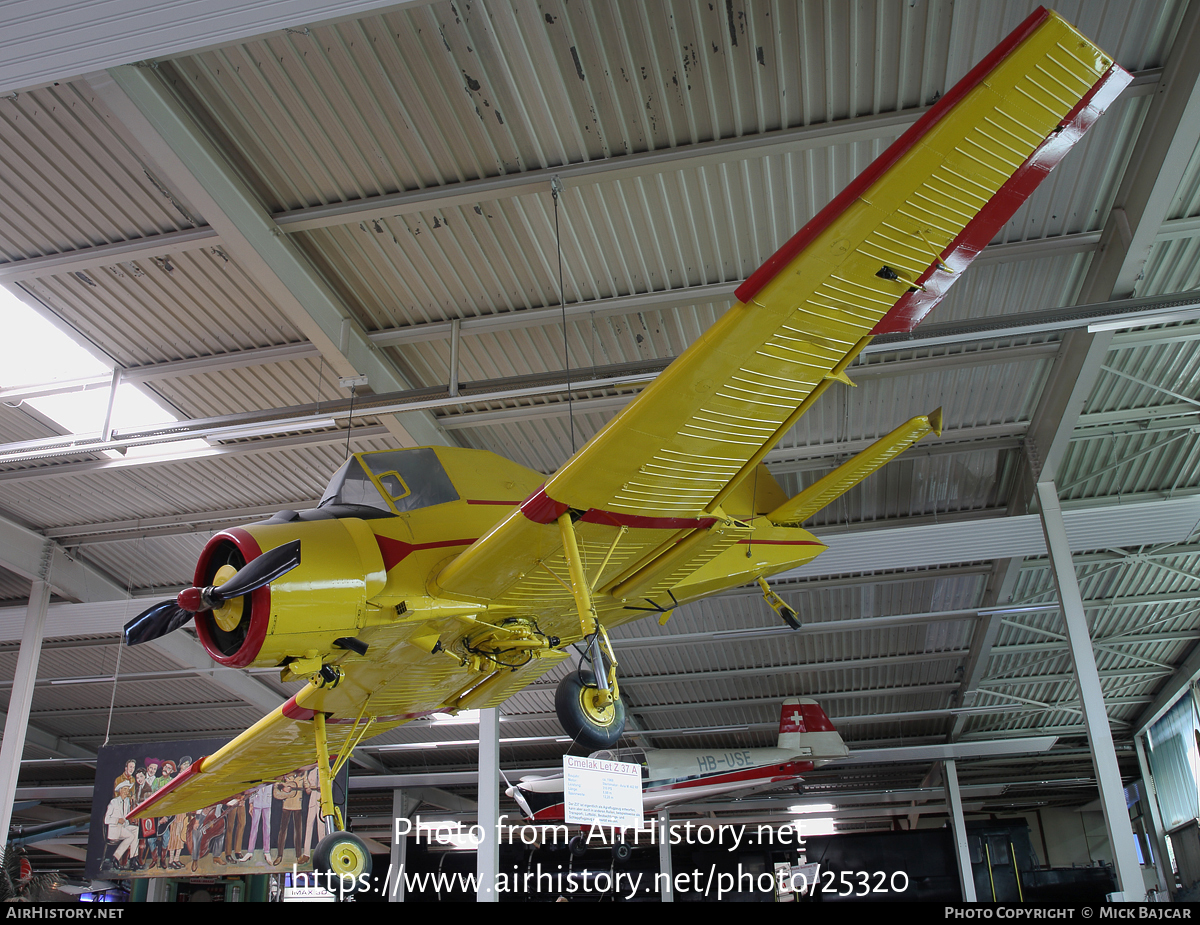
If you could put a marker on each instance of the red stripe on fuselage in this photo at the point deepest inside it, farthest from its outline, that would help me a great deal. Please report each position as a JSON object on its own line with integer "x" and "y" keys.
{"x": 542, "y": 509}
{"x": 396, "y": 551}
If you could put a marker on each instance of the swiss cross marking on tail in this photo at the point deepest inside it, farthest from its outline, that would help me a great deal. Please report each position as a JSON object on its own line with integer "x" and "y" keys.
{"x": 791, "y": 719}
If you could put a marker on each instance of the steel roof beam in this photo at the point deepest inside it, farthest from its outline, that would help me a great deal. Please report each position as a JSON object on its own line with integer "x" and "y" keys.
{"x": 173, "y": 524}
{"x": 60, "y": 39}
{"x": 27, "y": 553}
{"x": 626, "y": 377}
{"x": 773, "y": 703}
{"x": 1108, "y": 674}
{"x": 648, "y": 163}
{"x": 1021, "y": 325}
{"x": 1180, "y": 682}
{"x": 194, "y": 166}
{"x": 999, "y": 591}
{"x": 183, "y": 648}
{"x": 1165, "y": 145}
{"x": 57, "y": 745}
{"x": 974, "y": 540}
{"x": 105, "y": 255}
{"x": 239, "y": 359}
{"x": 249, "y": 448}
{"x": 638, "y": 374}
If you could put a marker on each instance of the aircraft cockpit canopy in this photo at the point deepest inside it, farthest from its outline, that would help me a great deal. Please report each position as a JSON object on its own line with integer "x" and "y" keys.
{"x": 625, "y": 756}
{"x": 391, "y": 481}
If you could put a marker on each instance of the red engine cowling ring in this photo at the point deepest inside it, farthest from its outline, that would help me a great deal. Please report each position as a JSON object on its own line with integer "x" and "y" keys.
{"x": 227, "y": 648}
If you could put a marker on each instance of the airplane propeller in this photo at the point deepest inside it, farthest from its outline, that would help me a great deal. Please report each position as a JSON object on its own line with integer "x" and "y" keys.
{"x": 168, "y": 616}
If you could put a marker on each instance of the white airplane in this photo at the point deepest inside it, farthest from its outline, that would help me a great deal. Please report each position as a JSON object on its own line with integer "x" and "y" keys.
{"x": 807, "y": 740}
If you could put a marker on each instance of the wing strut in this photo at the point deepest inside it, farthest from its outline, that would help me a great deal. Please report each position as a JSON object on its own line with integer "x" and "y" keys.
{"x": 589, "y": 622}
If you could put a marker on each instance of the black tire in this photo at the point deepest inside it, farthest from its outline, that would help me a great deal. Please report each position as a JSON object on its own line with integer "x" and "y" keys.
{"x": 578, "y": 846}
{"x": 589, "y": 727}
{"x": 621, "y": 851}
{"x": 343, "y": 855}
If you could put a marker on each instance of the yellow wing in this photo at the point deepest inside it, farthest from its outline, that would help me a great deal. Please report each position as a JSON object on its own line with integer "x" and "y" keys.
{"x": 876, "y": 260}
{"x": 404, "y": 686}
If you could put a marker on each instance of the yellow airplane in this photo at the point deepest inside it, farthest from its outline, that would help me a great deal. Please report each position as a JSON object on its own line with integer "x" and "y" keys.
{"x": 439, "y": 579}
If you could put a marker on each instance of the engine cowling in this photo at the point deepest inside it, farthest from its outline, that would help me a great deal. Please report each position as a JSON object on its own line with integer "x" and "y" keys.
{"x": 300, "y": 614}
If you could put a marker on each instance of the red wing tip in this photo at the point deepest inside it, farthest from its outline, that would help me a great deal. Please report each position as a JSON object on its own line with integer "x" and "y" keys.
{"x": 776, "y": 263}
{"x": 195, "y": 768}
{"x": 292, "y": 710}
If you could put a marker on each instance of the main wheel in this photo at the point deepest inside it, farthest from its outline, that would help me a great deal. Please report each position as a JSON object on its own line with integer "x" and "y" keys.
{"x": 583, "y": 717}
{"x": 344, "y": 856}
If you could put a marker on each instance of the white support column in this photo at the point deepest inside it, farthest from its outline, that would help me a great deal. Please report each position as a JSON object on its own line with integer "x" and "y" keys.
{"x": 402, "y": 807}
{"x": 106, "y": 428}
{"x": 665, "y": 870}
{"x": 158, "y": 890}
{"x": 455, "y": 338}
{"x": 962, "y": 853}
{"x": 1104, "y": 756}
{"x": 488, "y": 858}
{"x": 22, "y": 696}
{"x": 1162, "y": 860}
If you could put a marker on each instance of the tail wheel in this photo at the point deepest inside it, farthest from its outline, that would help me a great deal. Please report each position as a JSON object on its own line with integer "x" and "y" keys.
{"x": 582, "y": 714}
{"x": 344, "y": 856}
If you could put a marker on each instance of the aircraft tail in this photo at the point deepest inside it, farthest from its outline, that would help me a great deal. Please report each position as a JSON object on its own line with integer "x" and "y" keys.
{"x": 804, "y": 728}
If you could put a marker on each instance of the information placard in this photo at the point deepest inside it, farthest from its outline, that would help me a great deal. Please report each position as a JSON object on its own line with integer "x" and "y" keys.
{"x": 607, "y": 792}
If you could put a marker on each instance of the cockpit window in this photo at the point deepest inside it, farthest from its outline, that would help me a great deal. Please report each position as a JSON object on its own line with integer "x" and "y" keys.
{"x": 351, "y": 485}
{"x": 631, "y": 755}
{"x": 627, "y": 755}
{"x": 412, "y": 478}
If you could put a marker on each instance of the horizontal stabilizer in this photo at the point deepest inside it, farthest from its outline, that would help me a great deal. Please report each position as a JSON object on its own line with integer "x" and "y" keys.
{"x": 828, "y": 489}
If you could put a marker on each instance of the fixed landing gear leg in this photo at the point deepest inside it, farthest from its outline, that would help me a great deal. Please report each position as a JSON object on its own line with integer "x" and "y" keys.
{"x": 343, "y": 857}
{"x": 588, "y": 703}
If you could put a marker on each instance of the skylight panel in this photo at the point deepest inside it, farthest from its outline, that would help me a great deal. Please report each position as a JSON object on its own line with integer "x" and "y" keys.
{"x": 36, "y": 352}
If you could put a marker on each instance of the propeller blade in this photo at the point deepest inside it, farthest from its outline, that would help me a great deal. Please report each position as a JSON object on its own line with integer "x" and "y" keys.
{"x": 261, "y": 571}
{"x": 159, "y": 620}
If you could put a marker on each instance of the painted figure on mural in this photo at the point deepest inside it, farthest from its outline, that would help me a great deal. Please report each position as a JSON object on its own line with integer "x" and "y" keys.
{"x": 289, "y": 789}
{"x": 122, "y": 834}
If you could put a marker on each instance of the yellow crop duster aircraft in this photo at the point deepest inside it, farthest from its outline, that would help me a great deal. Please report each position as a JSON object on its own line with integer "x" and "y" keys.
{"x": 435, "y": 579}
